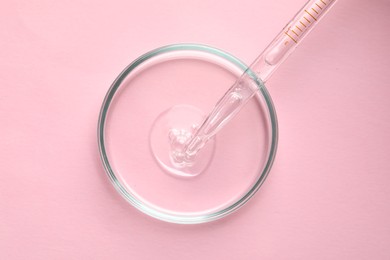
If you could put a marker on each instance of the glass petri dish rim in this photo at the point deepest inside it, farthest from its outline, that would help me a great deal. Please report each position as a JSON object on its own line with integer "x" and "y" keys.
{"x": 185, "y": 218}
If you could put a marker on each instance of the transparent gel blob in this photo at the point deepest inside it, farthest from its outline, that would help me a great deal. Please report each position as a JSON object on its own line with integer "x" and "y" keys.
{"x": 170, "y": 133}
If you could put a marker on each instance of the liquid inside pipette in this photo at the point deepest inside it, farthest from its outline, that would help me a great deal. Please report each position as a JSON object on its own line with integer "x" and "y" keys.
{"x": 244, "y": 88}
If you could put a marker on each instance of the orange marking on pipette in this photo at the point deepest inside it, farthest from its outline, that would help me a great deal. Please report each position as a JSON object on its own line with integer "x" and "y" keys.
{"x": 298, "y": 28}
{"x": 294, "y": 32}
{"x": 291, "y": 37}
{"x": 319, "y": 6}
{"x": 314, "y": 10}
{"x": 302, "y": 23}
{"x": 307, "y": 19}
{"x": 311, "y": 15}
{"x": 323, "y": 2}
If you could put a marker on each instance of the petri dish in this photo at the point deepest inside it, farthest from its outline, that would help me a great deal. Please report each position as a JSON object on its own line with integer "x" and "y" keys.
{"x": 157, "y": 96}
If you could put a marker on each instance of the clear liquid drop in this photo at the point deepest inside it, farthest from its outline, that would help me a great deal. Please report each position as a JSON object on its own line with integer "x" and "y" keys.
{"x": 170, "y": 133}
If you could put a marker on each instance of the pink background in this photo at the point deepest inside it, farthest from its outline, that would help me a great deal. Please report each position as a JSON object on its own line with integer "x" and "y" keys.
{"x": 327, "y": 196}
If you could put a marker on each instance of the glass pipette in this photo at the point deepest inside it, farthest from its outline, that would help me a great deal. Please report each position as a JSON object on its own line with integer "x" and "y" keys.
{"x": 264, "y": 66}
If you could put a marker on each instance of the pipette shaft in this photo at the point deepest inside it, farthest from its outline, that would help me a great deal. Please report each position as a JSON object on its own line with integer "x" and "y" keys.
{"x": 264, "y": 65}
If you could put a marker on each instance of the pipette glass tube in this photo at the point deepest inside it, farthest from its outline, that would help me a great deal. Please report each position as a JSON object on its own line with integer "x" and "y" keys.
{"x": 264, "y": 65}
